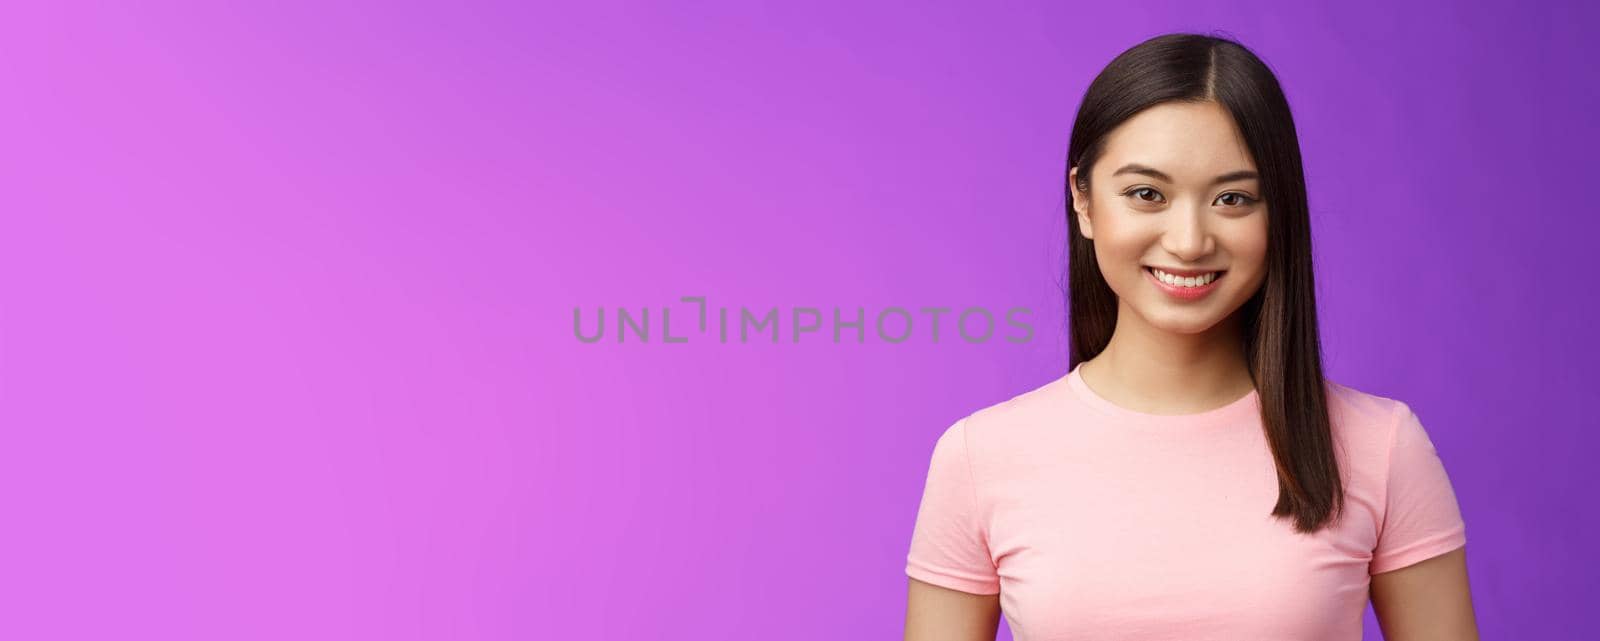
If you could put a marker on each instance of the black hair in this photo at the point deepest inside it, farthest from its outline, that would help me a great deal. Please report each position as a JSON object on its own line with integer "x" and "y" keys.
{"x": 1278, "y": 324}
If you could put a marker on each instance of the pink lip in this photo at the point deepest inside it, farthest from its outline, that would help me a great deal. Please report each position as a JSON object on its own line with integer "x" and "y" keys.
{"x": 1184, "y": 293}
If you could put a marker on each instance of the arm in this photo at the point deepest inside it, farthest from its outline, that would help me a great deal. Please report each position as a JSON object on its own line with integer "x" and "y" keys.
{"x": 935, "y": 613}
{"x": 954, "y": 594}
{"x": 1426, "y": 601}
{"x": 1419, "y": 567}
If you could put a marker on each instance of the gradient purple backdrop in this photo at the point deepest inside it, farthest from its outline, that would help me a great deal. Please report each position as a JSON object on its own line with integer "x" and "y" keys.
{"x": 286, "y": 343}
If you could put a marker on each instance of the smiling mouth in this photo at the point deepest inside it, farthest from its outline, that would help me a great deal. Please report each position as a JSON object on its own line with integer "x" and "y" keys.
{"x": 1176, "y": 280}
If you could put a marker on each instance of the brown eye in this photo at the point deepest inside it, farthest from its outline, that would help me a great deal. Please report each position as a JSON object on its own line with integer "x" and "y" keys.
{"x": 1241, "y": 199}
{"x": 1136, "y": 194}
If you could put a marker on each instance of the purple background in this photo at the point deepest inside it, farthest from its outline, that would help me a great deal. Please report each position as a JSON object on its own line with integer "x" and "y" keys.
{"x": 286, "y": 344}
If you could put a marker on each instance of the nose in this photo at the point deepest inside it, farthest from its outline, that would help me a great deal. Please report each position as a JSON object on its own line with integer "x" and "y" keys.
{"x": 1188, "y": 234}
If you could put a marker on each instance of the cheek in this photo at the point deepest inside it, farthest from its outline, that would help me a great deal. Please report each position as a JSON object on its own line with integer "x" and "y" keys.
{"x": 1120, "y": 254}
{"x": 1120, "y": 242}
{"x": 1251, "y": 246}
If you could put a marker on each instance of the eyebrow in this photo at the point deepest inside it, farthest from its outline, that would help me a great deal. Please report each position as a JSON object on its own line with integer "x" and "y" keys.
{"x": 1135, "y": 168}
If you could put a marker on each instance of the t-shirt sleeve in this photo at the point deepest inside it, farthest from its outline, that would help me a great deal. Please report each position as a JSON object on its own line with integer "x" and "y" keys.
{"x": 949, "y": 544}
{"x": 1421, "y": 518}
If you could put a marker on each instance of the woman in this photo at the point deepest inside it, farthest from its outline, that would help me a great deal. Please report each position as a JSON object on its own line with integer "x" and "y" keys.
{"x": 1193, "y": 476}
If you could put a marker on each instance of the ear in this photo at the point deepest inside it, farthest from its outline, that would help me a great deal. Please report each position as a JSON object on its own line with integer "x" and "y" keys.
{"x": 1080, "y": 205}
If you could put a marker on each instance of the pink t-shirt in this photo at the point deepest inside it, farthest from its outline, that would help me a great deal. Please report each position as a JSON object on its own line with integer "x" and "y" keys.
{"x": 1093, "y": 521}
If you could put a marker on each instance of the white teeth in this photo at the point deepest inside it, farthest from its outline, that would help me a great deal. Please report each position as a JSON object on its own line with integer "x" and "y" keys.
{"x": 1184, "y": 281}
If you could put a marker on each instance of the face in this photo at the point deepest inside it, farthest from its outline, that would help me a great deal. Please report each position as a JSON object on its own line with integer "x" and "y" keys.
{"x": 1176, "y": 188}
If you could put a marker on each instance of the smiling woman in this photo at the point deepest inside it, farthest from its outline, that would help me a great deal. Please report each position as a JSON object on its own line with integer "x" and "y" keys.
{"x": 1180, "y": 210}
{"x": 1193, "y": 475}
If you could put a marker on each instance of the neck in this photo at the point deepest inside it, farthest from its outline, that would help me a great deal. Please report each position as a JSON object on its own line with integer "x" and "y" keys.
{"x": 1157, "y": 371}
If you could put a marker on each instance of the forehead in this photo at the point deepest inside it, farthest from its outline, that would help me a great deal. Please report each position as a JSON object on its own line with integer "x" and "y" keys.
{"x": 1192, "y": 142}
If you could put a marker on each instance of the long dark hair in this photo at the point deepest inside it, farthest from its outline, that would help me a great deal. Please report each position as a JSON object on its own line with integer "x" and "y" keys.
{"x": 1279, "y": 323}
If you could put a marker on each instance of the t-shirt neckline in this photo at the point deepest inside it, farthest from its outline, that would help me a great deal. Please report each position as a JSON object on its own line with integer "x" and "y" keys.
{"x": 1245, "y": 407}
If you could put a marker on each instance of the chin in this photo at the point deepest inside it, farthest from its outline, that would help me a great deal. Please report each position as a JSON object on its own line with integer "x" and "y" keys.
{"x": 1187, "y": 329}
{"x": 1184, "y": 321}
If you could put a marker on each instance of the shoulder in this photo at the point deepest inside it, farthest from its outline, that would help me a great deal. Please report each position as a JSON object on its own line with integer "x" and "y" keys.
{"x": 1364, "y": 410}
{"x": 1030, "y": 408}
{"x": 1018, "y": 424}
{"x": 1365, "y": 425}
{"x": 1349, "y": 406}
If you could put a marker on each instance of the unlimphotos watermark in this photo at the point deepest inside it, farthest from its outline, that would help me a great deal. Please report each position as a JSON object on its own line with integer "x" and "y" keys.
{"x": 890, "y": 324}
